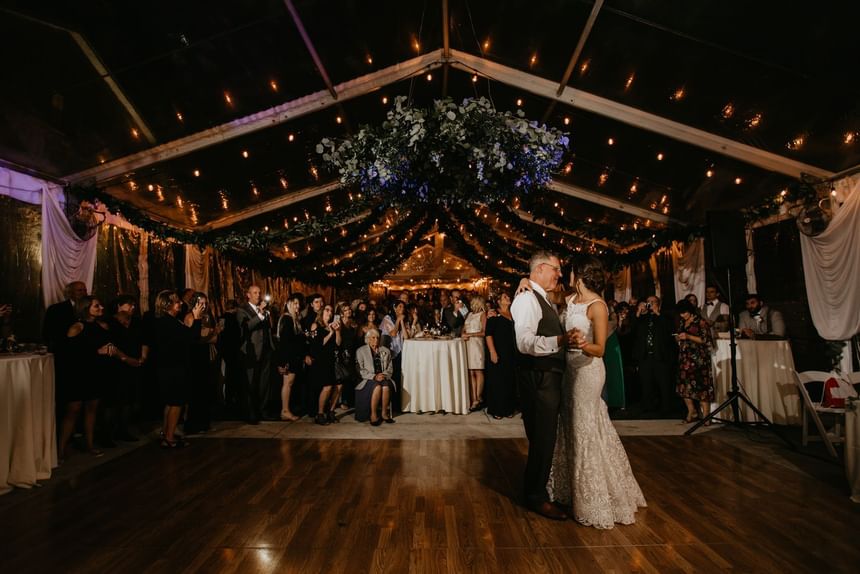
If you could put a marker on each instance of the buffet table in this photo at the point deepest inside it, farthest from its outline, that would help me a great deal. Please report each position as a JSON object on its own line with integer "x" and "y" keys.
{"x": 28, "y": 440}
{"x": 765, "y": 373}
{"x": 435, "y": 376}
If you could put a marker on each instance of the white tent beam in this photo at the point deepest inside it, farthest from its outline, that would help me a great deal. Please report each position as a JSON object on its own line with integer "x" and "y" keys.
{"x": 268, "y": 118}
{"x": 635, "y": 117}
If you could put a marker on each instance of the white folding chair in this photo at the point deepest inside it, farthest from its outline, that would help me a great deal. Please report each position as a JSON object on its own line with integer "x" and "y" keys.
{"x": 814, "y": 409}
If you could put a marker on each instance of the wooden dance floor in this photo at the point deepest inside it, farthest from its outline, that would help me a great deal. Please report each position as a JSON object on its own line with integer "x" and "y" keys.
{"x": 264, "y": 505}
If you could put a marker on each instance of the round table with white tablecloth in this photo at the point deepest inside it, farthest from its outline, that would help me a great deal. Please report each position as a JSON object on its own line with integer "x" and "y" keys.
{"x": 765, "y": 374}
{"x": 28, "y": 440}
{"x": 435, "y": 376}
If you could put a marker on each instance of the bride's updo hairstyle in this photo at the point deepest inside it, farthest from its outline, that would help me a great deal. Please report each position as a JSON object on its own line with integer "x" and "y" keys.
{"x": 592, "y": 273}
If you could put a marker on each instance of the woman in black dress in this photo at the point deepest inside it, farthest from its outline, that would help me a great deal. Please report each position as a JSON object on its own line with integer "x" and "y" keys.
{"x": 292, "y": 348}
{"x": 324, "y": 341}
{"x": 90, "y": 356}
{"x": 500, "y": 366}
{"x": 345, "y": 372}
{"x": 173, "y": 339}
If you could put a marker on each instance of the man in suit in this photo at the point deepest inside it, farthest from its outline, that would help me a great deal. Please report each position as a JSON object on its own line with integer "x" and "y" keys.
{"x": 541, "y": 342}
{"x": 452, "y": 318}
{"x": 255, "y": 351}
{"x": 714, "y": 310}
{"x": 654, "y": 354}
{"x": 759, "y": 320}
{"x": 60, "y": 316}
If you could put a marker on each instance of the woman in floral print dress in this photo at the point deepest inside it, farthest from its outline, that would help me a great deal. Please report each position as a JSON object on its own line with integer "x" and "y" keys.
{"x": 695, "y": 376}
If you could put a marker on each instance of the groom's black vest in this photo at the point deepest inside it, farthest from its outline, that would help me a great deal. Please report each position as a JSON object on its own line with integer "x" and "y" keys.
{"x": 549, "y": 326}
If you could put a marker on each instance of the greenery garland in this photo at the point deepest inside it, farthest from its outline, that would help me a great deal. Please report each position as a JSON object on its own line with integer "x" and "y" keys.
{"x": 449, "y": 154}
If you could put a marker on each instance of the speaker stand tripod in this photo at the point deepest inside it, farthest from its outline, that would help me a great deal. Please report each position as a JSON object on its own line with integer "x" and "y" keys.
{"x": 735, "y": 395}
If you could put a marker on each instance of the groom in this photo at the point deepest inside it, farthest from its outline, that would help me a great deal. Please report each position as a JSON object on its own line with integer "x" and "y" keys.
{"x": 541, "y": 342}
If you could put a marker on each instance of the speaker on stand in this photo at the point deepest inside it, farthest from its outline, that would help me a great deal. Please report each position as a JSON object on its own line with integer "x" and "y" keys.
{"x": 727, "y": 236}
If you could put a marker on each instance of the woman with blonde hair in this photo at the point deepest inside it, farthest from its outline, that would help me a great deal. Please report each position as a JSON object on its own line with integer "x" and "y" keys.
{"x": 473, "y": 333}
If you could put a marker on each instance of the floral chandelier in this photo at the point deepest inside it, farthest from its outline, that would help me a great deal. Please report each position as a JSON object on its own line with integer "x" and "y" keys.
{"x": 449, "y": 154}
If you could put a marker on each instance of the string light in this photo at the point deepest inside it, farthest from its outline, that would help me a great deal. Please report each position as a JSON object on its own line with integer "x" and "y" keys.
{"x": 568, "y": 168}
{"x": 486, "y": 44}
{"x": 584, "y": 66}
{"x": 228, "y": 98}
{"x": 566, "y": 121}
{"x": 728, "y": 111}
{"x": 283, "y": 182}
{"x": 135, "y": 134}
{"x": 368, "y": 59}
{"x": 339, "y": 119}
{"x": 159, "y": 194}
{"x": 416, "y": 45}
{"x": 274, "y": 85}
{"x": 132, "y": 185}
{"x": 196, "y": 173}
{"x": 245, "y": 154}
{"x": 660, "y": 156}
{"x": 604, "y": 177}
{"x": 474, "y": 78}
{"x": 150, "y": 187}
{"x": 429, "y": 77}
{"x": 678, "y": 95}
{"x": 254, "y": 191}
{"x": 629, "y": 82}
{"x": 611, "y": 141}
{"x": 634, "y": 188}
{"x": 291, "y": 137}
{"x": 783, "y": 193}
{"x": 519, "y": 102}
{"x": 384, "y": 100}
{"x": 709, "y": 173}
{"x": 533, "y": 60}
{"x": 179, "y": 202}
{"x": 754, "y": 121}
{"x": 180, "y": 117}
{"x": 738, "y": 181}
{"x": 850, "y": 137}
{"x": 314, "y": 172}
{"x": 796, "y": 143}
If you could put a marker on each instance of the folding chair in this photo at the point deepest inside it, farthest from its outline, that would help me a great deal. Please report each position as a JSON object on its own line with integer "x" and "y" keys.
{"x": 814, "y": 409}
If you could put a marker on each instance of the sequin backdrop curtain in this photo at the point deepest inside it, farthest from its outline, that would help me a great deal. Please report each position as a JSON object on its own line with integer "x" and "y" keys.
{"x": 161, "y": 268}
{"x": 21, "y": 265}
{"x": 117, "y": 272}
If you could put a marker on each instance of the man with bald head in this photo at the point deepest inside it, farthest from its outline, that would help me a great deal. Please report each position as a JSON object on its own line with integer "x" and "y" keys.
{"x": 60, "y": 316}
{"x": 255, "y": 351}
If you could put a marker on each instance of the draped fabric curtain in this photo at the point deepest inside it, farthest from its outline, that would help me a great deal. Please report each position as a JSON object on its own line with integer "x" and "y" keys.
{"x": 117, "y": 270}
{"x": 688, "y": 262}
{"x": 655, "y": 278}
{"x": 831, "y": 268}
{"x": 752, "y": 284}
{"x": 21, "y": 265}
{"x": 160, "y": 261}
{"x": 65, "y": 257}
{"x": 642, "y": 280}
{"x": 143, "y": 272}
{"x": 623, "y": 285}
{"x": 666, "y": 276}
{"x": 197, "y": 268}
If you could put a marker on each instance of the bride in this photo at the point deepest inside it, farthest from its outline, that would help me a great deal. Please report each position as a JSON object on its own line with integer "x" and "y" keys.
{"x": 590, "y": 471}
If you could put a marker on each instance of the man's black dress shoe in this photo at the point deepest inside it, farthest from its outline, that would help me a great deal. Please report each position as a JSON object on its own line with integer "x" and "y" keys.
{"x": 548, "y": 510}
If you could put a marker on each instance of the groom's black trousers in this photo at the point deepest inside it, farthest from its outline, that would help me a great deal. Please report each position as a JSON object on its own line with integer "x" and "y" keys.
{"x": 540, "y": 393}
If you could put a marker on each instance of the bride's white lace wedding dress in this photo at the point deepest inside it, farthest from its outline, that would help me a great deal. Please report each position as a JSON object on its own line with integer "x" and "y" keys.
{"x": 590, "y": 470}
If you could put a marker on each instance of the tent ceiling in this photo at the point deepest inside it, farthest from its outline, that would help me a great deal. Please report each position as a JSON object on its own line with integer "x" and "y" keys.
{"x": 691, "y": 63}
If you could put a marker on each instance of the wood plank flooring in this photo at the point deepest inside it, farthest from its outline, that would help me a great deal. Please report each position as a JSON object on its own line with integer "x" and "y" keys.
{"x": 264, "y": 505}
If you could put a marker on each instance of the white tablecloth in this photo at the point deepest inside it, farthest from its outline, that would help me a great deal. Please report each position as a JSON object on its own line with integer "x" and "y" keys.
{"x": 852, "y": 447}
{"x": 435, "y": 376}
{"x": 28, "y": 438}
{"x": 765, "y": 374}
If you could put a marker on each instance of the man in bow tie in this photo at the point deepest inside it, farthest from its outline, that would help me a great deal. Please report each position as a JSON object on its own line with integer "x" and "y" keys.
{"x": 760, "y": 320}
{"x": 714, "y": 310}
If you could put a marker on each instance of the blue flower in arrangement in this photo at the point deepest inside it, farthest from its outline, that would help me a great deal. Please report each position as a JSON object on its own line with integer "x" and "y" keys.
{"x": 447, "y": 154}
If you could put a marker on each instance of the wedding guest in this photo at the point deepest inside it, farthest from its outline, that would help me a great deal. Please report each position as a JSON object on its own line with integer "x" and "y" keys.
{"x": 90, "y": 356}
{"x": 473, "y": 333}
{"x": 60, "y": 316}
{"x": 368, "y": 322}
{"x": 345, "y": 373}
{"x": 394, "y": 328}
{"x": 452, "y": 319}
{"x": 654, "y": 354}
{"x": 413, "y": 319}
{"x": 127, "y": 334}
{"x": 255, "y": 352}
{"x": 203, "y": 370}
{"x": 315, "y": 304}
{"x": 228, "y": 349}
{"x": 501, "y": 383}
{"x": 172, "y": 339}
{"x": 324, "y": 340}
{"x": 714, "y": 310}
{"x": 373, "y": 392}
{"x": 292, "y": 349}
{"x": 695, "y": 379}
{"x": 759, "y": 320}
{"x": 691, "y": 297}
